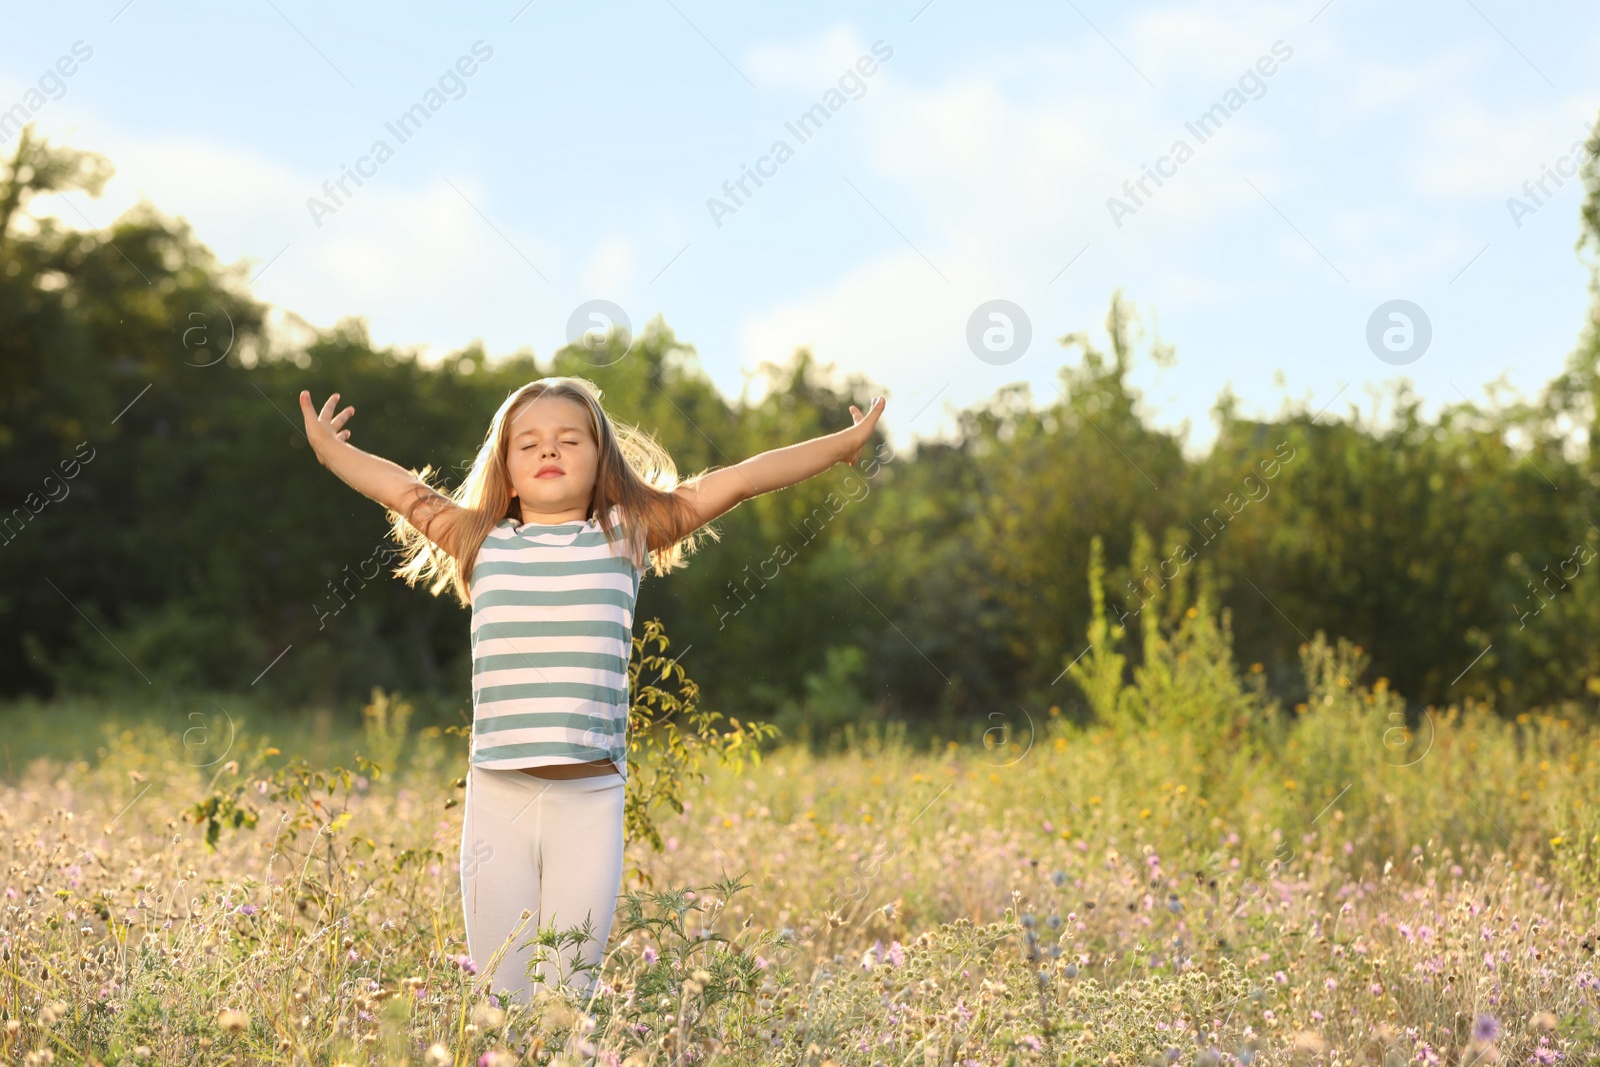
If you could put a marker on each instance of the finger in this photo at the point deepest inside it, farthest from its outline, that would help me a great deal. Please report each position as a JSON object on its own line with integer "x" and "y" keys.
{"x": 328, "y": 407}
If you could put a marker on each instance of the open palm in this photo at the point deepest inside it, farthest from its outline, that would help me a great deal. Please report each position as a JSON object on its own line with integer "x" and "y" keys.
{"x": 862, "y": 430}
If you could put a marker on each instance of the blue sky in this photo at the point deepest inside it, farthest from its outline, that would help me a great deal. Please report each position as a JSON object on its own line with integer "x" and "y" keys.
{"x": 975, "y": 162}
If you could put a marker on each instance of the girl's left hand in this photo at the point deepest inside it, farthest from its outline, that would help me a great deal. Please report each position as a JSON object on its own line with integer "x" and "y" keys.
{"x": 857, "y": 435}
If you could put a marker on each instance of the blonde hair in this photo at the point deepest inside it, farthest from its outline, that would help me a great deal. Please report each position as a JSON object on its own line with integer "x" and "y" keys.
{"x": 634, "y": 471}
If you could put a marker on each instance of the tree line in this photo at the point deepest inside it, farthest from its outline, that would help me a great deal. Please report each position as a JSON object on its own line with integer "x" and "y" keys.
{"x": 164, "y": 527}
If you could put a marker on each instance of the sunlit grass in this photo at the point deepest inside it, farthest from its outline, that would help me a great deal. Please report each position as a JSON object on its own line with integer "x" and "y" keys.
{"x": 1201, "y": 886}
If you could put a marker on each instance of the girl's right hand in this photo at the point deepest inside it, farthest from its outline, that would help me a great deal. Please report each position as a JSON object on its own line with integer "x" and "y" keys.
{"x": 324, "y": 429}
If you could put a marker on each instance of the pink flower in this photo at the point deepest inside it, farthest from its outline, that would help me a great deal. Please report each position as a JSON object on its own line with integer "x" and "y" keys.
{"x": 650, "y": 954}
{"x": 465, "y": 963}
{"x": 1377, "y": 990}
{"x": 1544, "y": 1054}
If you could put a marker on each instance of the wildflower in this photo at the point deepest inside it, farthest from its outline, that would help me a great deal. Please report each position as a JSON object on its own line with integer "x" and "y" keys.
{"x": 1072, "y": 970}
{"x": 1173, "y": 904}
{"x": 1332, "y": 983}
{"x": 1425, "y": 1054}
{"x": 1485, "y": 1029}
{"x": 650, "y": 954}
{"x": 1280, "y": 978}
{"x": 896, "y": 954}
{"x": 1377, "y": 989}
{"x": 1544, "y": 1054}
{"x": 1059, "y": 878}
{"x": 466, "y": 964}
{"x": 247, "y": 909}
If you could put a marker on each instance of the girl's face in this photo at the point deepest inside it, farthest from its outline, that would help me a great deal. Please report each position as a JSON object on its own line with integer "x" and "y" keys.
{"x": 552, "y": 460}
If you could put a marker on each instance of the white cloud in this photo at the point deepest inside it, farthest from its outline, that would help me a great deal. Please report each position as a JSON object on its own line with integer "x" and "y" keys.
{"x": 609, "y": 267}
{"x": 809, "y": 65}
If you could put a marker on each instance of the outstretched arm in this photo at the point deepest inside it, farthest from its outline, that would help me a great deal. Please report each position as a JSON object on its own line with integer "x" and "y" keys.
{"x": 375, "y": 477}
{"x": 721, "y": 490}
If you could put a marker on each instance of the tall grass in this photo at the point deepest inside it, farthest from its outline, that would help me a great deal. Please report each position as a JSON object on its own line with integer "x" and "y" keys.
{"x": 1194, "y": 876}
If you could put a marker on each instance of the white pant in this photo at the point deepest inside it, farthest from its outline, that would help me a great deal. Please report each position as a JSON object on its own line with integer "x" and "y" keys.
{"x": 553, "y": 847}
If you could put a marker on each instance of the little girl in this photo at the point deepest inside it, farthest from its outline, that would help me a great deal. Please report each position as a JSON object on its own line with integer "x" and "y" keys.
{"x": 546, "y": 540}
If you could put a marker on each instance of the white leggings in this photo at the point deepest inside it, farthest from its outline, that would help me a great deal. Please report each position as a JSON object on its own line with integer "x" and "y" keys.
{"x": 553, "y": 847}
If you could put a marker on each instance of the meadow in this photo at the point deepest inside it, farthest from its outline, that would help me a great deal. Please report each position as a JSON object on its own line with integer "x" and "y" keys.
{"x": 1186, "y": 873}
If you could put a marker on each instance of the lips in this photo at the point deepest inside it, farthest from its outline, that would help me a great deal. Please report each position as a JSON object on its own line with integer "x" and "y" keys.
{"x": 549, "y": 472}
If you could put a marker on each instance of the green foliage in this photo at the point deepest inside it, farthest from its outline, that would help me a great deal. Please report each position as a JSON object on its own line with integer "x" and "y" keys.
{"x": 832, "y": 700}
{"x": 202, "y": 548}
{"x": 670, "y": 736}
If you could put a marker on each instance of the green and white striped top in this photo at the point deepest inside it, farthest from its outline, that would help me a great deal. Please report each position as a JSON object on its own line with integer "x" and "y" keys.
{"x": 552, "y": 633}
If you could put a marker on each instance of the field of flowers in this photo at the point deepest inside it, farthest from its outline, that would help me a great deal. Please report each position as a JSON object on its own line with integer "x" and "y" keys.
{"x": 1195, "y": 877}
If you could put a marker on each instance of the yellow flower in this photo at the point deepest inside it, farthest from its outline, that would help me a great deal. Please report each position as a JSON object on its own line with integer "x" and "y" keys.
{"x": 1290, "y": 784}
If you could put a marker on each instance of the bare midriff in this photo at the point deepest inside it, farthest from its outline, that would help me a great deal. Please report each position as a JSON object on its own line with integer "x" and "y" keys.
{"x": 564, "y": 771}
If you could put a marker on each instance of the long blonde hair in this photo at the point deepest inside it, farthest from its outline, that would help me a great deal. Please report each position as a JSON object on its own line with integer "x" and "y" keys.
{"x": 634, "y": 471}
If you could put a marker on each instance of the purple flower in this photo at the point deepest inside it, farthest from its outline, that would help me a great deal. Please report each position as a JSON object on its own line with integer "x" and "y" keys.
{"x": 650, "y": 955}
{"x": 1544, "y": 1054}
{"x": 465, "y": 963}
{"x": 896, "y": 954}
{"x": 247, "y": 909}
{"x": 1485, "y": 1029}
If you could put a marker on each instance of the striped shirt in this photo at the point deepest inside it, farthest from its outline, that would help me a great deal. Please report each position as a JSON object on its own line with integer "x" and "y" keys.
{"x": 552, "y": 633}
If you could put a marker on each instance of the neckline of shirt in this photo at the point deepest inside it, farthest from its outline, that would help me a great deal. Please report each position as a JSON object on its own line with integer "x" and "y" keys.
{"x": 524, "y": 527}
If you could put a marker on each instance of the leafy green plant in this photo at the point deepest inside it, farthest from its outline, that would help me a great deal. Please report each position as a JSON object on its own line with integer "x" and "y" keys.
{"x": 670, "y": 736}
